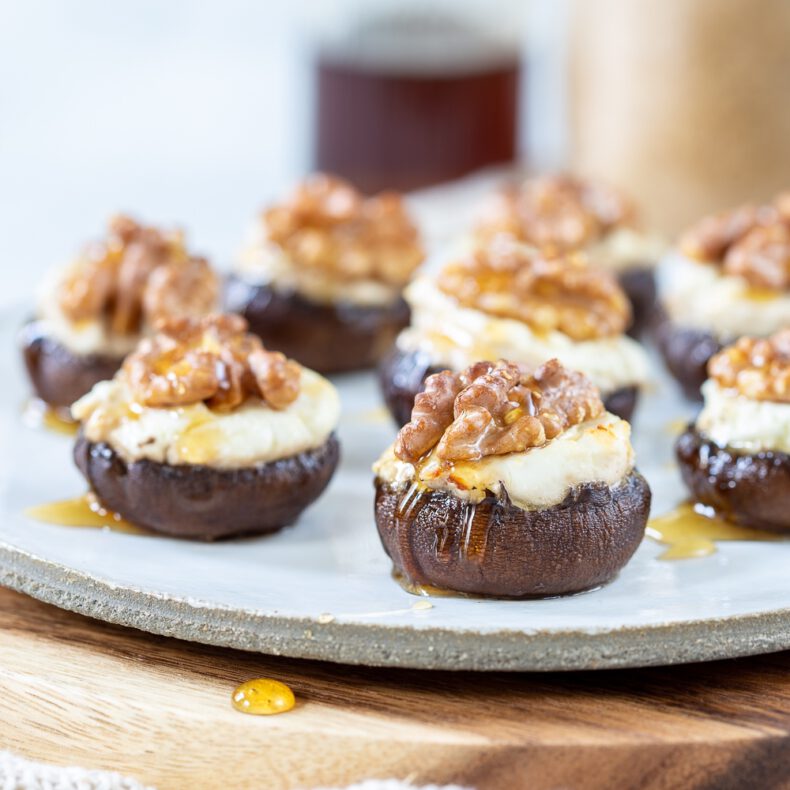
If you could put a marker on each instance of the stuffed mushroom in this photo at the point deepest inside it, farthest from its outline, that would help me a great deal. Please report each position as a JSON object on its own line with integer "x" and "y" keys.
{"x": 205, "y": 434}
{"x": 322, "y": 278}
{"x": 736, "y": 457}
{"x": 94, "y": 312}
{"x": 564, "y": 213}
{"x": 729, "y": 277}
{"x": 510, "y": 484}
{"x": 503, "y": 299}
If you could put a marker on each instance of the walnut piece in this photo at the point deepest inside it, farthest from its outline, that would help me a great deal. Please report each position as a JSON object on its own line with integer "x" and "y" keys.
{"x": 559, "y": 213}
{"x": 508, "y": 279}
{"x": 212, "y": 359}
{"x": 752, "y": 242}
{"x": 495, "y": 408}
{"x": 758, "y": 368}
{"x": 136, "y": 277}
{"x": 327, "y": 226}
{"x": 762, "y": 257}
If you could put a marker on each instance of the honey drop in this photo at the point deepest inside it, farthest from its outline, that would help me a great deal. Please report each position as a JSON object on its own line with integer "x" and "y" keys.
{"x": 263, "y": 697}
{"x": 82, "y": 511}
{"x": 38, "y": 414}
{"x": 691, "y": 531}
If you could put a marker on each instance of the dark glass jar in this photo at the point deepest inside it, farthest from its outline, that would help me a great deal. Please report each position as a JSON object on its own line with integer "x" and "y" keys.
{"x": 406, "y": 100}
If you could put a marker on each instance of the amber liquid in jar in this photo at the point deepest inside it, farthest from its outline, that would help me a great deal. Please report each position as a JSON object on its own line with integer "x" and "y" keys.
{"x": 408, "y": 102}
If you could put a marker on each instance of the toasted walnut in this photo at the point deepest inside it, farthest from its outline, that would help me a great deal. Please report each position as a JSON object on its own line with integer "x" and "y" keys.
{"x": 762, "y": 256}
{"x": 507, "y": 279}
{"x": 495, "y": 409}
{"x": 433, "y": 410}
{"x": 276, "y": 375}
{"x": 752, "y": 242}
{"x": 89, "y": 286}
{"x": 713, "y": 235}
{"x": 136, "y": 277}
{"x": 184, "y": 288}
{"x": 559, "y": 213}
{"x": 213, "y": 359}
{"x": 328, "y": 226}
{"x": 758, "y": 368}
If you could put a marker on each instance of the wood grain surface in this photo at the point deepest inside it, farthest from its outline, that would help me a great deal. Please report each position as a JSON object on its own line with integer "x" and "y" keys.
{"x": 74, "y": 691}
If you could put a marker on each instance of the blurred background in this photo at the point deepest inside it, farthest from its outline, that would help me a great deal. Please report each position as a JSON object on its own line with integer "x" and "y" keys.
{"x": 197, "y": 113}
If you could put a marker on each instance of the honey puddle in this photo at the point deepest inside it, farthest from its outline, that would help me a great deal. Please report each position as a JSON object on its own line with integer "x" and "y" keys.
{"x": 38, "y": 414}
{"x": 82, "y": 511}
{"x": 426, "y": 589}
{"x": 378, "y": 415}
{"x": 693, "y": 530}
{"x": 677, "y": 426}
{"x": 263, "y": 697}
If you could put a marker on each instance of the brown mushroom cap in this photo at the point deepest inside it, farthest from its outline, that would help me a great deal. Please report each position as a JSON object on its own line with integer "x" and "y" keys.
{"x": 686, "y": 353}
{"x": 327, "y": 338}
{"x": 496, "y": 548}
{"x": 752, "y": 489}
{"x": 639, "y": 284}
{"x": 60, "y": 376}
{"x": 203, "y": 502}
{"x": 402, "y": 376}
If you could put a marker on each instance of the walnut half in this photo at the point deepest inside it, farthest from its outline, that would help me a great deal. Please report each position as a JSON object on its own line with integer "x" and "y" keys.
{"x": 136, "y": 277}
{"x": 752, "y": 242}
{"x": 330, "y": 228}
{"x": 560, "y": 213}
{"x": 495, "y": 409}
{"x": 758, "y": 368}
{"x": 214, "y": 360}
{"x": 505, "y": 278}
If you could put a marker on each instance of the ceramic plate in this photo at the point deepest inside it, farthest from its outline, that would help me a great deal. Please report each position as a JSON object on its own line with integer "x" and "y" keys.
{"x": 322, "y": 589}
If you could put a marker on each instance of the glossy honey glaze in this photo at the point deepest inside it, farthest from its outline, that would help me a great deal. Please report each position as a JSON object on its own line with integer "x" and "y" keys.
{"x": 756, "y": 294}
{"x": 476, "y": 523}
{"x": 82, "y": 511}
{"x": 263, "y": 697}
{"x": 39, "y": 414}
{"x": 426, "y": 589}
{"x": 692, "y": 530}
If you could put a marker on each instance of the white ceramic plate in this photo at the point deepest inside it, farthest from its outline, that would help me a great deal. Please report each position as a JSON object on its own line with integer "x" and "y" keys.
{"x": 323, "y": 589}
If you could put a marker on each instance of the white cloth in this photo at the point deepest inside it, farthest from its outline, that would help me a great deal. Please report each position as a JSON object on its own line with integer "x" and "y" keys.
{"x": 18, "y": 773}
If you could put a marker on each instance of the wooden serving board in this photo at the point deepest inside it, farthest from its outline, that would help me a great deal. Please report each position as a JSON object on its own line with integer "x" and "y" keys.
{"x": 80, "y": 692}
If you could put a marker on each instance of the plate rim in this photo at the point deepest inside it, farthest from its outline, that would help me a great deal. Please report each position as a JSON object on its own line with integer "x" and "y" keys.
{"x": 398, "y": 646}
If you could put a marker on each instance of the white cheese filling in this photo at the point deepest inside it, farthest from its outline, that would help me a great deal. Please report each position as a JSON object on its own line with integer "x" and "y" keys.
{"x": 624, "y": 249}
{"x": 732, "y": 420}
{"x": 252, "y": 434}
{"x": 698, "y": 296}
{"x": 264, "y": 263}
{"x": 596, "y": 451}
{"x": 455, "y": 337}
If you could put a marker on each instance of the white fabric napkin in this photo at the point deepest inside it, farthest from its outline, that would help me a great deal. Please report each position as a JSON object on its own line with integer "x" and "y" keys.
{"x": 19, "y": 773}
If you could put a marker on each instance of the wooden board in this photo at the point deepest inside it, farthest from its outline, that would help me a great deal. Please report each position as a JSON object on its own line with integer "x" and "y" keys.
{"x": 76, "y": 691}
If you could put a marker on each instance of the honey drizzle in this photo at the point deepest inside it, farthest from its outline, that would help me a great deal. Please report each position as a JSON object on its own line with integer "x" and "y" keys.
{"x": 756, "y": 294}
{"x": 407, "y": 502}
{"x": 693, "y": 530}
{"x": 83, "y": 511}
{"x": 263, "y": 697}
{"x": 38, "y": 414}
